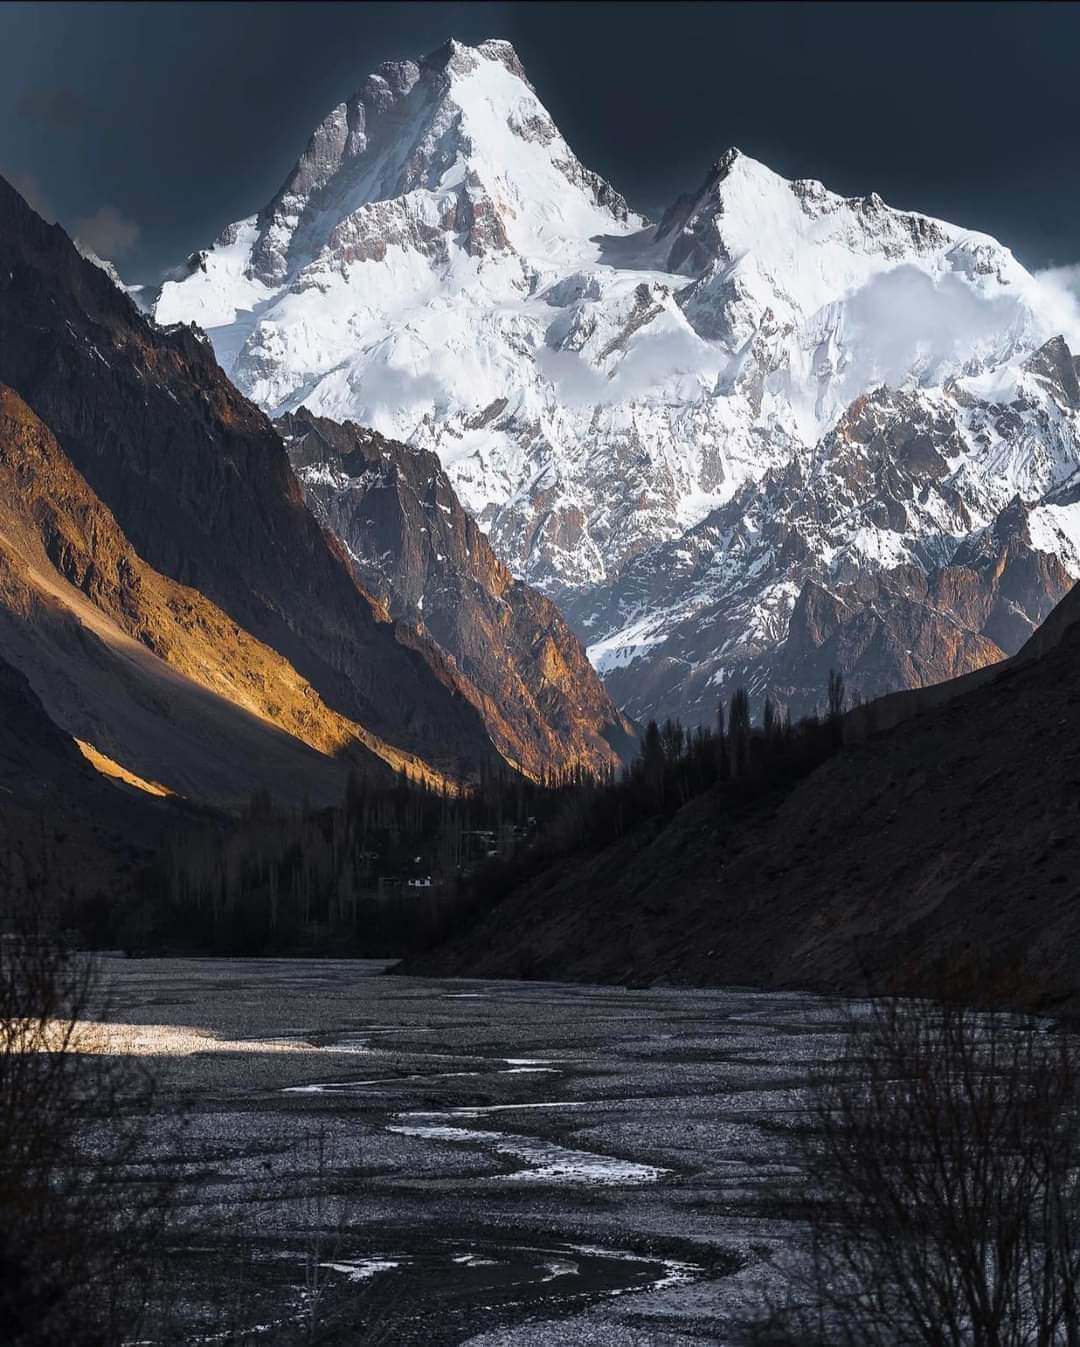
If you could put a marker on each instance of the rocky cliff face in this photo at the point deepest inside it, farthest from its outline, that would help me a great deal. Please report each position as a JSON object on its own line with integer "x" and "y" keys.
{"x": 621, "y": 405}
{"x": 167, "y": 502}
{"x": 414, "y": 546}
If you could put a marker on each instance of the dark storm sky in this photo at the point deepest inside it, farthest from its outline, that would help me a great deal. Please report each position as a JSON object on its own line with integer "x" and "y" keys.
{"x": 150, "y": 127}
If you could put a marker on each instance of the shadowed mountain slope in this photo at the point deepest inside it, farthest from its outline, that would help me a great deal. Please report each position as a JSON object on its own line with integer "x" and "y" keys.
{"x": 941, "y": 852}
{"x": 65, "y": 832}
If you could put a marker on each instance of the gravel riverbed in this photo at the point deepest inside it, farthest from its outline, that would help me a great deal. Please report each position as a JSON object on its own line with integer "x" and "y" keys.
{"x": 493, "y": 1163}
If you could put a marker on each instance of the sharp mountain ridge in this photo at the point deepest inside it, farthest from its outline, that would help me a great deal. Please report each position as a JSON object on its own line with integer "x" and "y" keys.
{"x": 413, "y": 545}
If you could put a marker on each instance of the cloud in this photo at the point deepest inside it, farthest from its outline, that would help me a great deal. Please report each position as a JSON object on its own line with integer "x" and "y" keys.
{"x": 30, "y": 188}
{"x": 1058, "y": 294}
{"x": 578, "y": 383}
{"x": 655, "y": 358}
{"x": 1068, "y": 278}
{"x": 108, "y": 232}
{"x": 61, "y": 108}
{"x": 905, "y": 321}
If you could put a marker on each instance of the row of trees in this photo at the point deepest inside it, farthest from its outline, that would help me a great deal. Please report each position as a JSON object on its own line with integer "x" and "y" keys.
{"x": 773, "y": 752}
{"x": 385, "y": 872}
{"x": 395, "y": 867}
{"x": 736, "y": 759}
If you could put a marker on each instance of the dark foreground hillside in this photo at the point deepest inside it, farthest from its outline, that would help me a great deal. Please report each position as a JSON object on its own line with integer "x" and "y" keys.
{"x": 944, "y": 851}
{"x": 67, "y": 835}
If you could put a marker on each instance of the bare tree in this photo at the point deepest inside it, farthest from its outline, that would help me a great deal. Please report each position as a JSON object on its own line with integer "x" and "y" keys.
{"x": 837, "y": 695}
{"x": 944, "y": 1159}
{"x": 82, "y": 1216}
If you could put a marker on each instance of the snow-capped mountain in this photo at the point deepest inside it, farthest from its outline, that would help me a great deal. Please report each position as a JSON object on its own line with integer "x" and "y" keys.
{"x": 927, "y": 534}
{"x": 662, "y": 425}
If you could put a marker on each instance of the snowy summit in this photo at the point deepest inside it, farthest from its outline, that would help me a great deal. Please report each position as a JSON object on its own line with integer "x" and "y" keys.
{"x": 601, "y": 390}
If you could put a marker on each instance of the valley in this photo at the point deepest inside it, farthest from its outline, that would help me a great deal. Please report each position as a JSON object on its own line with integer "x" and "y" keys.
{"x": 539, "y": 739}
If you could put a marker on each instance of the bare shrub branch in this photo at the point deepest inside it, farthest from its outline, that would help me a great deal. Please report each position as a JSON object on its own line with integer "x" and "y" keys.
{"x": 944, "y": 1158}
{"x": 83, "y": 1212}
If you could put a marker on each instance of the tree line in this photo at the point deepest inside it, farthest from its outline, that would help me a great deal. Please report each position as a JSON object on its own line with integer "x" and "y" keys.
{"x": 396, "y": 867}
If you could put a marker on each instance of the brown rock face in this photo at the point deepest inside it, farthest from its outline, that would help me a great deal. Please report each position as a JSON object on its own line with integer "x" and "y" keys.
{"x": 907, "y": 629}
{"x": 1054, "y": 364}
{"x": 885, "y": 630}
{"x": 197, "y": 482}
{"x": 411, "y": 541}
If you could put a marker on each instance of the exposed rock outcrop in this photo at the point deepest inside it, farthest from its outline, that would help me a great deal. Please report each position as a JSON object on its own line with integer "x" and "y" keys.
{"x": 412, "y": 543}
{"x": 928, "y": 535}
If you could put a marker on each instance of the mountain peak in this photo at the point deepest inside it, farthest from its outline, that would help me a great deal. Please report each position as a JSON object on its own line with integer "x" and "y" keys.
{"x": 499, "y": 49}
{"x": 459, "y": 58}
{"x": 454, "y": 155}
{"x": 453, "y": 56}
{"x": 595, "y": 387}
{"x": 727, "y": 161}
{"x": 1053, "y": 364}
{"x": 442, "y": 56}
{"x": 731, "y": 166}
